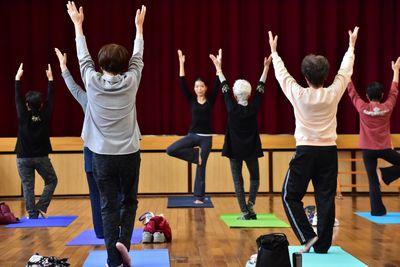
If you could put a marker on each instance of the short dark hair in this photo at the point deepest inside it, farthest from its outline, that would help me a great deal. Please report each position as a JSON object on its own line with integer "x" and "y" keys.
{"x": 113, "y": 58}
{"x": 374, "y": 91}
{"x": 315, "y": 68}
{"x": 33, "y": 99}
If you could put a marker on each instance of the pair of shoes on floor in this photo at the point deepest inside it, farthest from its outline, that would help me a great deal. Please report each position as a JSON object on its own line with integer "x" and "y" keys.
{"x": 157, "y": 237}
{"x": 252, "y": 261}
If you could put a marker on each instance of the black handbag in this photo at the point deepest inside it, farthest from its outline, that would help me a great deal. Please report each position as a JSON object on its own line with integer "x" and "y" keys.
{"x": 273, "y": 251}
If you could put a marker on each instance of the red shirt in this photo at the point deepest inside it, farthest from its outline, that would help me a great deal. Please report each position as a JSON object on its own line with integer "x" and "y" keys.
{"x": 374, "y": 118}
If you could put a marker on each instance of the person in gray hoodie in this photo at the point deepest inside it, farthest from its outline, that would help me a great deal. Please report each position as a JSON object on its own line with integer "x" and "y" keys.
{"x": 110, "y": 131}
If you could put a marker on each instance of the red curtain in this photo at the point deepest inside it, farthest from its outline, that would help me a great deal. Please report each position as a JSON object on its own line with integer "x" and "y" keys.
{"x": 31, "y": 29}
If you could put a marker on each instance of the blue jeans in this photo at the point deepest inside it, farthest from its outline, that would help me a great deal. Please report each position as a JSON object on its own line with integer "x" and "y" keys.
{"x": 185, "y": 149}
{"x": 117, "y": 176}
{"x": 236, "y": 169}
{"x": 94, "y": 194}
{"x": 26, "y": 169}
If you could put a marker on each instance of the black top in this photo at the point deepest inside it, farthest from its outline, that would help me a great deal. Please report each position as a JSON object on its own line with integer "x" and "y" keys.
{"x": 33, "y": 127}
{"x": 201, "y": 113}
{"x": 242, "y": 139}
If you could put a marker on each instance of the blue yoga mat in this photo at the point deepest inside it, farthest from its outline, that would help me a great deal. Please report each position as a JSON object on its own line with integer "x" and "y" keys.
{"x": 335, "y": 257}
{"x": 88, "y": 238}
{"x": 389, "y": 218}
{"x": 188, "y": 202}
{"x": 140, "y": 258}
{"x": 51, "y": 221}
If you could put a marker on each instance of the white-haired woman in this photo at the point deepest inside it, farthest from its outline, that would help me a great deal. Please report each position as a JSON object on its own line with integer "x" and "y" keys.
{"x": 242, "y": 139}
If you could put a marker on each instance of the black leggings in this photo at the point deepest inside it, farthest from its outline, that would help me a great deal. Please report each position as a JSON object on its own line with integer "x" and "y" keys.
{"x": 389, "y": 174}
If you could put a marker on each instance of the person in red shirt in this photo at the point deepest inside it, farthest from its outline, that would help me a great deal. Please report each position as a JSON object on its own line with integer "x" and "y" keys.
{"x": 375, "y": 139}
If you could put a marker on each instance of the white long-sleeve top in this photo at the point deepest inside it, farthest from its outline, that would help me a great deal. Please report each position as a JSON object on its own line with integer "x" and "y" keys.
{"x": 315, "y": 109}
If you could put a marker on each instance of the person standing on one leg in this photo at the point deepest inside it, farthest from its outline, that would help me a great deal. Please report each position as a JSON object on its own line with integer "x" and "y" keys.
{"x": 375, "y": 140}
{"x": 33, "y": 144}
{"x": 110, "y": 131}
{"x": 242, "y": 139}
{"x": 196, "y": 146}
{"x": 315, "y": 159}
{"x": 80, "y": 95}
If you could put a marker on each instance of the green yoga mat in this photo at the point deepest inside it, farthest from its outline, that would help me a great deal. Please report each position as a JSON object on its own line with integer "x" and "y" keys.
{"x": 264, "y": 220}
{"x": 336, "y": 256}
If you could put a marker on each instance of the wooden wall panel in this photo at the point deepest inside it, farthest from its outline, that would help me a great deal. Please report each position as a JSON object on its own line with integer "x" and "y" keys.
{"x": 10, "y": 184}
{"x": 160, "y": 173}
{"x": 219, "y": 176}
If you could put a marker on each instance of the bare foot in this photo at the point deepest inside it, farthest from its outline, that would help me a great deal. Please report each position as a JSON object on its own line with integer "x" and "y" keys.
{"x": 200, "y": 161}
{"x": 43, "y": 214}
{"x": 197, "y": 201}
{"x": 309, "y": 244}
{"x": 126, "y": 259}
{"x": 379, "y": 173}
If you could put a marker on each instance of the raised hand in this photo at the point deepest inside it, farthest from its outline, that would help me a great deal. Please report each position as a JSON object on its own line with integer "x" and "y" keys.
{"x": 273, "y": 41}
{"x": 139, "y": 19}
{"x": 353, "y": 37}
{"x": 396, "y": 65}
{"x": 49, "y": 73}
{"x": 267, "y": 61}
{"x": 62, "y": 58}
{"x": 217, "y": 60}
{"x": 181, "y": 57}
{"x": 20, "y": 71}
{"x": 75, "y": 15}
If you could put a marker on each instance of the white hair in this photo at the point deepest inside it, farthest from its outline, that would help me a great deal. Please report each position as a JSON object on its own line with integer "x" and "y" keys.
{"x": 242, "y": 91}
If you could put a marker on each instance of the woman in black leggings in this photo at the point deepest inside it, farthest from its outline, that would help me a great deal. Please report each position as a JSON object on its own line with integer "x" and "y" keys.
{"x": 196, "y": 146}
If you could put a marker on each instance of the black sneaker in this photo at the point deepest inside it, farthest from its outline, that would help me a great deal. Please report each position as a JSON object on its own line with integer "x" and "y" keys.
{"x": 248, "y": 216}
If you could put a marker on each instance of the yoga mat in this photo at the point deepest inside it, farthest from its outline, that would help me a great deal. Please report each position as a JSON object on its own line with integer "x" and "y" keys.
{"x": 51, "y": 221}
{"x": 88, "y": 238}
{"x": 188, "y": 202}
{"x": 140, "y": 258}
{"x": 389, "y": 218}
{"x": 264, "y": 220}
{"x": 335, "y": 257}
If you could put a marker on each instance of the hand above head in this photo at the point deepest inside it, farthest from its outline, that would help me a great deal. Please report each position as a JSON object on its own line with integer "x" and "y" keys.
{"x": 267, "y": 61}
{"x": 273, "y": 41}
{"x": 139, "y": 19}
{"x": 353, "y": 37}
{"x": 217, "y": 60}
{"x": 49, "y": 73}
{"x": 19, "y": 72}
{"x": 75, "y": 15}
{"x": 181, "y": 57}
{"x": 62, "y": 58}
{"x": 396, "y": 65}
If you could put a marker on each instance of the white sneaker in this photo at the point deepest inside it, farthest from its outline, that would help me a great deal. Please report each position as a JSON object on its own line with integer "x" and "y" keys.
{"x": 158, "y": 237}
{"x": 147, "y": 237}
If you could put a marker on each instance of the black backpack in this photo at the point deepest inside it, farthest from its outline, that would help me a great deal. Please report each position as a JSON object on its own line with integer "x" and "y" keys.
{"x": 273, "y": 251}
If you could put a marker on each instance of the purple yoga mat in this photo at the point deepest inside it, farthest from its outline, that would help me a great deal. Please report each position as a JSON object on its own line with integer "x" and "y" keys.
{"x": 51, "y": 221}
{"x": 88, "y": 238}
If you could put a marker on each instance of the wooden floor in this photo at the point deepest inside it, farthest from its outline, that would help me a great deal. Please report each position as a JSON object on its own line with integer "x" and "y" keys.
{"x": 199, "y": 237}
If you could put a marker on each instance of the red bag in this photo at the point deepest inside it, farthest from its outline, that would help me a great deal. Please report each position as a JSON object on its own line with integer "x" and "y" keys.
{"x": 159, "y": 224}
{"x": 6, "y": 216}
